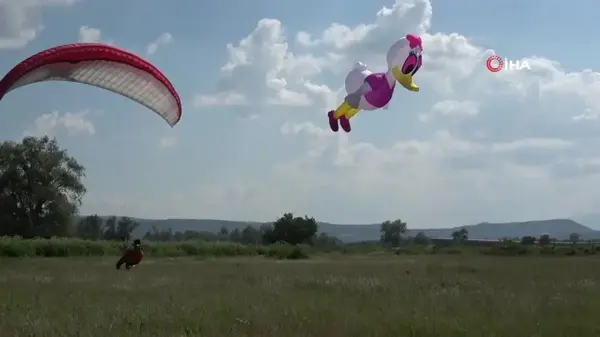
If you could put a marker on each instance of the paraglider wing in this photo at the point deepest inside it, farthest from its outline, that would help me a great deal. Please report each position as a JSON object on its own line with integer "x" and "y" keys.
{"x": 102, "y": 66}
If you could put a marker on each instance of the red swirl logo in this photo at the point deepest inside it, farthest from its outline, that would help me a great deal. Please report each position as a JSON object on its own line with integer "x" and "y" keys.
{"x": 494, "y": 63}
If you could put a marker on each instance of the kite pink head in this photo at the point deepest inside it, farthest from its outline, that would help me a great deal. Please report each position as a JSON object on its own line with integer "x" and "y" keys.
{"x": 404, "y": 59}
{"x": 414, "y": 41}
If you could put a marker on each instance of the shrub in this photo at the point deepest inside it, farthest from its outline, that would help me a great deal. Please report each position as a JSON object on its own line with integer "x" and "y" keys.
{"x": 297, "y": 253}
{"x": 63, "y": 247}
{"x": 508, "y": 249}
{"x": 430, "y": 249}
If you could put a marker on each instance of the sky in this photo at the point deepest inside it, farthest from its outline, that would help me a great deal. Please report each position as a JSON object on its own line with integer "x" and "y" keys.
{"x": 257, "y": 78}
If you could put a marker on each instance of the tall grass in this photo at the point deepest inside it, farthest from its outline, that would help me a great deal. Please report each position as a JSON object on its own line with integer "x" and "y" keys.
{"x": 350, "y": 296}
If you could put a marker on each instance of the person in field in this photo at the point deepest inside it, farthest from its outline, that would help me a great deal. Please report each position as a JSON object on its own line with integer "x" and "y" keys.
{"x": 132, "y": 256}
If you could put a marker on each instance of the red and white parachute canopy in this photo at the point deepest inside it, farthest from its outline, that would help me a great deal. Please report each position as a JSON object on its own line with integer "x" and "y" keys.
{"x": 102, "y": 66}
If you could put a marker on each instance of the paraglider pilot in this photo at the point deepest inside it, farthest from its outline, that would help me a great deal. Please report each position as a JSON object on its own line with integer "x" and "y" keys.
{"x": 132, "y": 256}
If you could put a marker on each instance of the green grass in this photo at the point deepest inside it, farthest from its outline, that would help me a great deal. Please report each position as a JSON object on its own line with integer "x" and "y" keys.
{"x": 362, "y": 296}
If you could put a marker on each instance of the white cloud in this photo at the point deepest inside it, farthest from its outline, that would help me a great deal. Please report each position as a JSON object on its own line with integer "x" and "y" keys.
{"x": 87, "y": 34}
{"x": 162, "y": 40}
{"x": 166, "y": 142}
{"x": 452, "y": 109}
{"x": 20, "y": 20}
{"x": 53, "y": 123}
{"x": 456, "y": 108}
{"x": 220, "y": 99}
{"x": 588, "y": 115}
{"x": 533, "y": 144}
{"x": 262, "y": 67}
{"x": 497, "y": 146}
{"x": 93, "y": 35}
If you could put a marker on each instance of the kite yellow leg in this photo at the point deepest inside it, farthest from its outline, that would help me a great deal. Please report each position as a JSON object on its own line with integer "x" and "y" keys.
{"x": 351, "y": 112}
{"x": 342, "y": 110}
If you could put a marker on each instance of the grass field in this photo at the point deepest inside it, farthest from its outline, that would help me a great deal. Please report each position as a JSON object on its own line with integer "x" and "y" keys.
{"x": 326, "y": 296}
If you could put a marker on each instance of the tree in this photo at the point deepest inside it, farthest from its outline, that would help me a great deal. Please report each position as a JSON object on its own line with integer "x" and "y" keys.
{"x": 110, "y": 229}
{"x": 574, "y": 238}
{"x": 235, "y": 235}
{"x": 544, "y": 240}
{"x": 90, "y": 228}
{"x": 267, "y": 234}
{"x": 290, "y": 229}
{"x": 421, "y": 239}
{"x": 391, "y": 232}
{"x": 460, "y": 235}
{"x": 125, "y": 227}
{"x": 528, "y": 240}
{"x": 251, "y": 235}
{"x": 224, "y": 233}
{"x": 40, "y": 188}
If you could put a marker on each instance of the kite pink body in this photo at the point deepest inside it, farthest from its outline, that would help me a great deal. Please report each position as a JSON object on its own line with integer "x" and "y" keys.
{"x": 381, "y": 91}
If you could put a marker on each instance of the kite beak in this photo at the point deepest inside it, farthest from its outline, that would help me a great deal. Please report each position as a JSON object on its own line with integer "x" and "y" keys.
{"x": 405, "y": 80}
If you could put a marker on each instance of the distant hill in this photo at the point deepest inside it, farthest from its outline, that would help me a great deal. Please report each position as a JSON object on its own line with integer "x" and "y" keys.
{"x": 558, "y": 228}
{"x": 590, "y": 220}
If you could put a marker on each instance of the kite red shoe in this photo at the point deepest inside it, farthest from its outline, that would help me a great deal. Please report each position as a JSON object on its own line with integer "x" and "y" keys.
{"x": 345, "y": 123}
{"x": 333, "y": 123}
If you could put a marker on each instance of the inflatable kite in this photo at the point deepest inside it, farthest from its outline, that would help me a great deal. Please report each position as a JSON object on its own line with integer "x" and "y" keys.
{"x": 102, "y": 66}
{"x": 371, "y": 91}
{"x": 132, "y": 256}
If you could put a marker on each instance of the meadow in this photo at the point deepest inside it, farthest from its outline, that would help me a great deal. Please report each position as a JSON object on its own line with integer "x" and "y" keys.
{"x": 377, "y": 294}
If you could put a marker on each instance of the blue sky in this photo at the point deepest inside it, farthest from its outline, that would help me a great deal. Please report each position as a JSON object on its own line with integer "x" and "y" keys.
{"x": 472, "y": 146}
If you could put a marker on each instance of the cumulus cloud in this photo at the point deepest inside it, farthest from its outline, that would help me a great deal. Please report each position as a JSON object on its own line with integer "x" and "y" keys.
{"x": 504, "y": 146}
{"x": 261, "y": 70}
{"x": 162, "y": 40}
{"x": 54, "y": 123}
{"x": 88, "y": 34}
{"x": 456, "y": 108}
{"x": 451, "y": 109}
{"x": 220, "y": 99}
{"x": 20, "y": 21}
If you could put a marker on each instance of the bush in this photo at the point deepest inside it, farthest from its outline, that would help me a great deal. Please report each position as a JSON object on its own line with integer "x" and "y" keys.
{"x": 508, "y": 249}
{"x": 284, "y": 251}
{"x": 297, "y": 253}
{"x": 63, "y": 247}
{"x": 430, "y": 249}
{"x": 451, "y": 251}
{"x": 405, "y": 251}
{"x": 547, "y": 251}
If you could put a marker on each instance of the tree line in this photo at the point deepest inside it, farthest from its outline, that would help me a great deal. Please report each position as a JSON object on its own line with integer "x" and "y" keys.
{"x": 288, "y": 228}
{"x": 296, "y": 230}
{"x": 93, "y": 227}
{"x": 41, "y": 190}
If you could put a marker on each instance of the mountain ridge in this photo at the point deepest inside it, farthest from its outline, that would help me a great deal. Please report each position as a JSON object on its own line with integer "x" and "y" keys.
{"x": 557, "y": 228}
